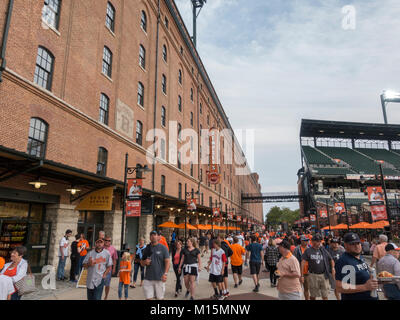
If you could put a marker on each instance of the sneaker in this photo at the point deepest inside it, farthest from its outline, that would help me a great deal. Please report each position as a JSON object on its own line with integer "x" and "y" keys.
{"x": 226, "y": 295}
{"x": 214, "y": 297}
{"x": 187, "y": 294}
{"x": 191, "y": 298}
{"x": 235, "y": 285}
{"x": 256, "y": 289}
{"x": 221, "y": 297}
{"x": 176, "y": 294}
{"x": 240, "y": 282}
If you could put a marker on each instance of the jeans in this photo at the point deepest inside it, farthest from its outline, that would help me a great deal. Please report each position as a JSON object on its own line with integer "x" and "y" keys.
{"x": 272, "y": 276}
{"x": 74, "y": 268}
{"x": 178, "y": 285}
{"x": 80, "y": 264}
{"x": 126, "y": 286}
{"x": 15, "y": 296}
{"x": 392, "y": 291}
{"x": 96, "y": 293}
{"x": 61, "y": 268}
{"x": 136, "y": 270}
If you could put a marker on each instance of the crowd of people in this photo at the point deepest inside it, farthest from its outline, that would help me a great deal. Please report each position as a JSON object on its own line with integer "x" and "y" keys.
{"x": 300, "y": 265}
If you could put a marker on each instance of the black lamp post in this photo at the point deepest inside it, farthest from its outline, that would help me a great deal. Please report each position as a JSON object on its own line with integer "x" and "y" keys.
{"x": 389, "y": 216}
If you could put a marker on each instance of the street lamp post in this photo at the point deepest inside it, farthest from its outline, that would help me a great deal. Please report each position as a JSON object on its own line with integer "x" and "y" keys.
{"x": 389, "y": 216}
{"x": 327, "y": 212}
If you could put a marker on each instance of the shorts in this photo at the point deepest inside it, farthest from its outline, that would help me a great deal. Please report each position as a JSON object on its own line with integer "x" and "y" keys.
{"x": 306, "y": 286}
{"x": 290, "y": 296}
{"x": 154, "y": 289}
{"x": 237, "y": 269}
{"x": 107, "y": 280}
{"x": 192, "y": 272}
{"x": 318, "y": 285}
{"x": 226, "y": 272}
{"x": 215, "y": 278}
{"x": 255, "y": 267}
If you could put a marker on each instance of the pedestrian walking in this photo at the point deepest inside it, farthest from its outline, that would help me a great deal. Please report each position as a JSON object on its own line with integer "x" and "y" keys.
{"x": 191, "y": 266}
{"x": 75, "y": 257}
{"x": 15, "y": 270}
{"x": 288, "y": 270}
{"x": 177, "y": 254}
{"x": 336, "y": 251}
{"x": 390, "y": 263}
{"x": 354, "y": 280}
{"x": 114, "y": 256}
{"x": 156, "y": 259}
{"x": 125, "y": 268}
{"x": 320, "y": 268}
{"x": 63, "y": 255}
{"x": 83, "y": 247}
{"x": 379, "y": 251}
{"x": 271, "y": 257}
{"x": 254, "y": 249}
{"x": 138, "y": 256}
{"x": 98, "y": 262}
{"x": 215, "y": 267}
{"x": 225, "y": 245}
{"x": 202, "y": 244}
{"x": 237, "y": 261}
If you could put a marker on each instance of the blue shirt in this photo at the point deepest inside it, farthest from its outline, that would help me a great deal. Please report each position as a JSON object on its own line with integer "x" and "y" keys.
{"x": 173, "y": 237}
{"x": 348, "y": 264}
{"x": 255, "y": 251}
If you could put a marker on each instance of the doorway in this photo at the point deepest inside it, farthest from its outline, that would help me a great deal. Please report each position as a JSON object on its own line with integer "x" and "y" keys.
{"x": 90, "y": 223}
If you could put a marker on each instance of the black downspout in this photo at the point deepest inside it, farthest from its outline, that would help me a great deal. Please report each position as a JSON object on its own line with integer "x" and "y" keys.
{"x": 5, "y": 38}
{"x": 155, "y": 99}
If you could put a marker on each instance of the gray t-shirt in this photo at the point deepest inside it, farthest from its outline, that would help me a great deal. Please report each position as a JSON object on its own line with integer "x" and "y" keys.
{"x": 336, "y": 254}
{"x": 315, "y": 260}
{"x": 157, "y": 254}
{"x": 102, "y": 261}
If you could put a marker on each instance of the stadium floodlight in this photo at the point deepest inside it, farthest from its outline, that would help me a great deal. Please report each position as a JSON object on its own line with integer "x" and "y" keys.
{"x": 388, "y": 96}
{"x": 197, "y": 6}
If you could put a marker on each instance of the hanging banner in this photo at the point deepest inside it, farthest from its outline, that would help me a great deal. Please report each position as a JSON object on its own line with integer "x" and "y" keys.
{"x": 100, "y": 200}
{"x": 191, "y": 204}
{"x": 238, "y": 218}
{"x": 216, "y": 212}
{"x": 230, "y": 215}
{"x": 375, "y": 195}
{"x": 133, "y": 208}
{"x": 134, "y": 190}
{"x": 213, "y": 174}
{"x": 339, "y": 208}
{"x": 306, "y": 219}
{"x": 323, "y": 213}
{"x": 313, "y": 217}
{"x": 378, "y": 212}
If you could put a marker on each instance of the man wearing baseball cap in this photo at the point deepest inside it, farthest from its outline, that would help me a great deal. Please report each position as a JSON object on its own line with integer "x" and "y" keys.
{"x": 298, "y": 253}
{"x": 353, "y": 277}
{"x": 390, "y": 263}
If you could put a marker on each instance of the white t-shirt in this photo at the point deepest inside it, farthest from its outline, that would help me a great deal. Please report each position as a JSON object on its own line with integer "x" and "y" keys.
{"x": 241, "y": 240}
{"x": 6, "y": 287}
{"x": 217, "y": 260}
{"x": 63, "y": 243}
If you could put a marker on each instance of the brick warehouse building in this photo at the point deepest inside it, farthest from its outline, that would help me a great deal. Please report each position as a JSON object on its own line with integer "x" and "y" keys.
{"x": 82, "y": 83}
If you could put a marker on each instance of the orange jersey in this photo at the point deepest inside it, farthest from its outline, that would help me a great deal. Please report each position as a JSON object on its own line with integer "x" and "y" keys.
{"x": 125, "y": 276}
{"x": 163, "y": 241}
{"x": 83, "y": 243}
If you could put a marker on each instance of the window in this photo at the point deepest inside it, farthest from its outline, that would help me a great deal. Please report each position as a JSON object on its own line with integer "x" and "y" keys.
{"x": 110, "y": 17}
{"x": 163, "y": 116}
{"x": 181, "y": 51}
{"x": 164, "y": 84}
{"x": 139, "y": 132}
{"x": 37, "y": 138}
{"x": 180, "y": 76}
{"x": 143, "y": 21}
{"x": 191, "y": 94}
{"x": 202, "y": 199}
{"x": 142, "y": 57}
{"x": 163, "y": 184}
{"x": 104, "y": 107}
{"x": 191, "y": 119}
{"x": 180, "y": 103}
{"x": 208, "y": 119}
{"x": 211, "y": 202}
{"x": 179, "y": 131}
{"x": 201, "y": 175}
{"x": 201, "y": 108}
{"x": 51, "y": 12}
{"x": 201, "y": 128}
{"x": 166, "y": 22}
{"x": 162, "y": 149}
{"x": 191, "y": 169}
{"x": 179, "y": 160}
{"x": 140, "y": 99}
{"x": 107, "y": 62}
{"x": 44, "y": 68}
{"x": 180, "y": 191}
{"x": 164, "y": 53}
{"x": 102, "y": 161}
{"x": 191, "y": 144}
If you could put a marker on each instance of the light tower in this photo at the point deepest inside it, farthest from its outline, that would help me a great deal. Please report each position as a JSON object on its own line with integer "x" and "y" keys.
{"x": 197, "y": 6}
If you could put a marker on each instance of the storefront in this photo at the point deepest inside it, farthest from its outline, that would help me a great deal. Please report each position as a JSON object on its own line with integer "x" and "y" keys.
{"x": 90, "y": 223}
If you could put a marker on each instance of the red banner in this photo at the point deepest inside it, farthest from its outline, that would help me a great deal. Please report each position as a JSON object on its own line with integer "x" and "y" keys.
{"x": 378, "y": 213}
{"x": 133, "y": 208}
{"x": 214, "y": 176}
{"x": 134, "y": 190}
{"x": 375, "y": 194}
{"x": 191, "y": 204}
{"x": 339, "y": 208}
{"x": 323, "y": 213}
{"x": 238, "y": 218}
{"x": 313, "y": 217}
{"x": 230, "y": 215}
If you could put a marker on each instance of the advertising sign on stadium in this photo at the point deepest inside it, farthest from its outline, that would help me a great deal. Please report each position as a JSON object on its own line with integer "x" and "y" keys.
{"x": 339, "y": 208}
{"x": 375, "y": 195}
{"x": 358, "y": 176}
{"x": 378, "y": 212}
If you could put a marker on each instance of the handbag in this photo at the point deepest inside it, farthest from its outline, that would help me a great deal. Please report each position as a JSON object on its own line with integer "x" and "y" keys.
{"x": 27, "y": 284}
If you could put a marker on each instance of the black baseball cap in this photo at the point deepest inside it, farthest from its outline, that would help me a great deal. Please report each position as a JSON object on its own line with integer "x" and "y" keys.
{"x": 391, "y": 246}
{"x": 351, "y": 238}
{"x": 284, "y": 244}
{"x": 317, "y": 237}
{"x": 155, "y": 232}
{"x": 335, "y": 240}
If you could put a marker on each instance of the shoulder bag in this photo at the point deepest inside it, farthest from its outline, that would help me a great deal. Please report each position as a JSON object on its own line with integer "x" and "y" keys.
{"x": 27, "y": 284}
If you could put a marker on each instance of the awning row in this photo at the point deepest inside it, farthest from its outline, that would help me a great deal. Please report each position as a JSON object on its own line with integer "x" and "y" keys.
{"x": 362, "y": 225}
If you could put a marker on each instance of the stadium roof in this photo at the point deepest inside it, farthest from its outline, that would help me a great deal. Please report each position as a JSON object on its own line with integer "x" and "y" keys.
{"x": 349, "y": 130}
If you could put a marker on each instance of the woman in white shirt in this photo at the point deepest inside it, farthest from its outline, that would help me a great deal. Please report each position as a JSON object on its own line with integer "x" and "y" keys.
{"x": 16, "y": 269}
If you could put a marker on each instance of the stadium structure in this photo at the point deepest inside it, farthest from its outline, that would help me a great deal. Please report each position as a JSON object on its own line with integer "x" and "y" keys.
{"x": 339, "y": 161}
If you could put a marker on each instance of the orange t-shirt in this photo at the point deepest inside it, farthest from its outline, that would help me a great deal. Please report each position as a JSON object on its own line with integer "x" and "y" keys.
{"x": 80, "y": 244}
{"x": 163, "y": 241}
{"x": 246, "y": 243}
{"x": 2, "y": 263}
{"x": 125, "y": 276}
{"x": 305, "y": 270}
{"x": 236, "y": 257}
{"x": 292, "y": 248}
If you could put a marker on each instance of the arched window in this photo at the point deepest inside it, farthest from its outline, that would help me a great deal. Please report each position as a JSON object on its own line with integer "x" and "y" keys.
{"x": 110, "y": 17}
{"x": 51, "y": 12}
{"x": 37, "y": 140}
{"x": 44, "y": 68}
{"x": 191, "y": 94}
{"x": 201, "y": 108}
{"x": 142, "y": 57}
{"x": 180, "y": 103}
{"x": 191, "y": 119}
{"x": 179, "y": 190}
{"x": 164, "y": 53}
{"x": 141, "y": 94}
{"x": 179, "y": 131}
{"x": 143, "y": 21}
{"x": 163, "y": 116}
{"x": 139, "y": 132}
{"x": 104, "y": 108}
{"x": 164, "y": 84}
{"x": 163, "y": 184}
{"x": 180, "y": 76}
{"x": 107, "y": 62}
{"x": 102, "y": 162}
{"x": 162, "y": 149}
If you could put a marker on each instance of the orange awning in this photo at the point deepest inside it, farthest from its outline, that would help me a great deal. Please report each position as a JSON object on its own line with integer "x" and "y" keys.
{"x": 202, "y": 226}
{"x": 379, "y": 224}
{"x": 339, "y": 227}
{"x": 168, "y": 224}
{"x": 325, "y": 228}
{"x": 188, "y": 226}
{"x": 361, "y": 225}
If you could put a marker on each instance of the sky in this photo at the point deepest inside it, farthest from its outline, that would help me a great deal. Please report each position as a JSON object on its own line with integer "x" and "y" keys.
{"x": 275, "y": 62}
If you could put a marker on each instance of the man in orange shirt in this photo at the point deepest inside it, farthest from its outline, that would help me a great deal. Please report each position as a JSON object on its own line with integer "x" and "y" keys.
{"x": 237, "y": 261}
{"x": 162, "y": 240}
{"x": 2, "y": 263}
{"x": 83, "y": 246}
{"x": 379, "y": 251}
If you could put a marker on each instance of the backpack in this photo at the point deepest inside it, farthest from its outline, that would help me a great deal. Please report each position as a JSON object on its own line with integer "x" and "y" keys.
{"x": 227, "y": 249}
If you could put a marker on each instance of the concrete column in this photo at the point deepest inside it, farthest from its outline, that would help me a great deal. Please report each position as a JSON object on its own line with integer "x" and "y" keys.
{"x": 167, "y": 232}
{"x": 145, "y": 227}
{"x": 113, "y": 225}
{"x": 62, "y": 217}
